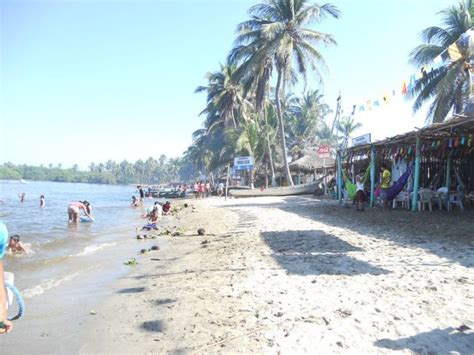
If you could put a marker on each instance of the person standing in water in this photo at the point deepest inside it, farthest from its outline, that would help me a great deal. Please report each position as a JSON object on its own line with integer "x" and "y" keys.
{"x": 6, "y": 326}
{"x": 75, "y": 208}
{"x": 142, "y": 193}
{"x": 42, "y": 201}
{"x": 22, "y": 197}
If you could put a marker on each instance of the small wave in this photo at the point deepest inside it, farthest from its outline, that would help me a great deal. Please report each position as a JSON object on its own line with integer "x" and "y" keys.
{"x": 47, "y": 285}
{"x": 93, "y": 248}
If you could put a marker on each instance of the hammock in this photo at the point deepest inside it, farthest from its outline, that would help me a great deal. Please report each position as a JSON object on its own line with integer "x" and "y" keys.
{"x": 352, "y": 188}
{"x": 395, "y": 189}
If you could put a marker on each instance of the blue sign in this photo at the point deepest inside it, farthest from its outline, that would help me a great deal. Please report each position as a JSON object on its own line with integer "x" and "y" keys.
{"x": 243, "y": 163}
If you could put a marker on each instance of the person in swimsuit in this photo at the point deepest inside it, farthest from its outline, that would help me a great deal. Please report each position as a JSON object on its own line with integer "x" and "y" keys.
{"x": 152, "y": 220}
{"x": 15, "y": 245}
{"x": 5, "y": 325}
{"x": 42, "y": 201}
{"x": 75, "y": 208}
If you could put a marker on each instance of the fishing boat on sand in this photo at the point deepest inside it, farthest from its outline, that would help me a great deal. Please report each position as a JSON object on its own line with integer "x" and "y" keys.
{"x": 303, "y": 189}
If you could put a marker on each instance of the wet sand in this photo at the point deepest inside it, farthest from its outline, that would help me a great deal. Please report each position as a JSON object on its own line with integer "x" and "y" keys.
{"x": 278, "y": 275}
{"x": 296, "y": 274}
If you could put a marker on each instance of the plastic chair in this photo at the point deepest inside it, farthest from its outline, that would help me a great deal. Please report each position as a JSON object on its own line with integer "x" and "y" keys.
{"x": 403, "y": 198}
{"x": 456, "y": 199}
{"x": 425, "y": 198}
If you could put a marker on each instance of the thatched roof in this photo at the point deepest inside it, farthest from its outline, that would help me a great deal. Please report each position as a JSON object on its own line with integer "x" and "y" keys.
{"x": 311, "y": 161}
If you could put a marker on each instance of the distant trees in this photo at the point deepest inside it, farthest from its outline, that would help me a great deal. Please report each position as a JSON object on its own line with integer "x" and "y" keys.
{"x": 151, "y": 171}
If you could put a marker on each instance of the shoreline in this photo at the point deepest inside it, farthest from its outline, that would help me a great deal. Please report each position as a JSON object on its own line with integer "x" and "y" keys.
{"x": 288, "y": 274}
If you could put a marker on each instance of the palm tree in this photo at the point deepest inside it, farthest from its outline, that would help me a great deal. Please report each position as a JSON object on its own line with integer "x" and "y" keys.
{"x": 447, "y": 87}
{"x": 304, "y": 116}
{"x": 248, "y": 140}
{"x": 276, "y": 32}
{"x": 225, "y": 101}
{"x": 347, "y": 126}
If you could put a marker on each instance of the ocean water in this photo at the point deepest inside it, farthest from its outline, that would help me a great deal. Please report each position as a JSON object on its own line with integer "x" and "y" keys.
{"x": 62, "y": 254}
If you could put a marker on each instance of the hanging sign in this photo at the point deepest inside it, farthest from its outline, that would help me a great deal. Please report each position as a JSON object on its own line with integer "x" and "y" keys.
{"x": 243, "y": 163}
{"x": 365, "y": 139}
{"x": 324, "y": 151}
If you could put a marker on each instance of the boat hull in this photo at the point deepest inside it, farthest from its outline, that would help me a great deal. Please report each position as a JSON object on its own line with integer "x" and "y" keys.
{"x": 302, "y": 189}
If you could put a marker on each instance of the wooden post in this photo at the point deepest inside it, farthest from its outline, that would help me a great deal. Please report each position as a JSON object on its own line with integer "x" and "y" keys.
{"x": 372, "y": 176}
{"x": 416, "y": 180}
{"x": 227, "y": 181}
{"x": 449, "y": 164}
{"x": 339, "y": 176}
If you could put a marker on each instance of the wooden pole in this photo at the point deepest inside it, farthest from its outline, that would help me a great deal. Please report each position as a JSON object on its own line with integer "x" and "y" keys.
{"x": 416, "y": 180}
{"x": 227, "y": 182}
{"x": 339, "y": 176}
{"x": 372, "y": 176}
{"x": 449, "y": 164}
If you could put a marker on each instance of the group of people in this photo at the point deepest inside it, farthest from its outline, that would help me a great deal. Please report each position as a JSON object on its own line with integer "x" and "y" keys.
{"x": 385, "y": 182}
{"x": 153, "y": 213}
{"x": 205, "y": 189}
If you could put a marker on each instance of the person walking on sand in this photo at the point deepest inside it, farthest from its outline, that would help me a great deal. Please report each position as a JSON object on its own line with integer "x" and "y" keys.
{"x": 75, "y": 208}
{"x": 42, "y": 201}
{"x": 6, "y": 326}
{"x": 384, "y": 186}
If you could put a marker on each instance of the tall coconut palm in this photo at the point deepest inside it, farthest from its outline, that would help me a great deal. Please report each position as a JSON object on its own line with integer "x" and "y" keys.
{"x": 347, "y": 126}
{"x": 304, "y": 115}
{"x": 447, "y": 87}
{"x": 225, "y": 100}
{"x": 277, "y": 31}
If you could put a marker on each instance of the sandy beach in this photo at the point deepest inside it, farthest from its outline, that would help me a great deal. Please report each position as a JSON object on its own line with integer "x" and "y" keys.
{"x": 295, "y": 274}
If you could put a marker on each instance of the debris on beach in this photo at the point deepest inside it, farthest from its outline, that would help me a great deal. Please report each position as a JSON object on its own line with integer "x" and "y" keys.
{"x": 155, "y": 247}
{"x": 92, "y": 313}
{"x": 201, "y": 231}
{"x": 205, "y": 241}
{"x": 143, "y": 251}
{"x": 131, "y": 261}
{"x": 140, "y": 236}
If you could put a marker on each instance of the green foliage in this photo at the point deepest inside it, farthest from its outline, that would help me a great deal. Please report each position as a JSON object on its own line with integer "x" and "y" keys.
{"x": 9, "y": 174}
{"x": 151, "y": 171}
{"x": 448, "y": 87}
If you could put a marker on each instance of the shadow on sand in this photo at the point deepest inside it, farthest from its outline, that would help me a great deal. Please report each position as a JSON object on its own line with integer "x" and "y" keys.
{"x": 449, "y": 339}
{"x": 155, "y": 326}
{"x": 448, "y": 235}
{"x": 132, "y": 290}
{"x": 314, "y": 252}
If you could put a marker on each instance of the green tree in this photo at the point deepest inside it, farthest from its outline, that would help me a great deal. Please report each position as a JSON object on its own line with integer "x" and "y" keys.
{"x": 277, "y": 30}
{"x": 447, "y": 87}
{"x": 347, "y": 126}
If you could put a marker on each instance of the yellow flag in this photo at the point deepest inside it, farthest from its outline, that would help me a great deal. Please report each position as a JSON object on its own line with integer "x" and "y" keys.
{"x": 454, "y": 52}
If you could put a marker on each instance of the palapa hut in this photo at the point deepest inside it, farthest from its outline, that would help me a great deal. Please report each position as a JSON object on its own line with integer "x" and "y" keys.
{"x": 441, "y": 154}
{"x": 310, "y": 166}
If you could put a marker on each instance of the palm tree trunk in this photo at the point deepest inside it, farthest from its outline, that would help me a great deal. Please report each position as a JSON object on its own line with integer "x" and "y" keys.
{"x": 269, "y": 147}
{"x": 282, "y": 127}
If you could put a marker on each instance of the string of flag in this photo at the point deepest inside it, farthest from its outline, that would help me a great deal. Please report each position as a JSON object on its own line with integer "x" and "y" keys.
{"x": 451, "y": 54}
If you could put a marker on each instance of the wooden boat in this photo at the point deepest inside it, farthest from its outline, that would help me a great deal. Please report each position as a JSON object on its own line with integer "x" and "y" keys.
{"x": 168, "y": 194}
{"x": 302, "y": 189}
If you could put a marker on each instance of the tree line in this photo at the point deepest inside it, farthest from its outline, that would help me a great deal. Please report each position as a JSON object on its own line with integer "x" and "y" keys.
{"x": 150, "y": 171}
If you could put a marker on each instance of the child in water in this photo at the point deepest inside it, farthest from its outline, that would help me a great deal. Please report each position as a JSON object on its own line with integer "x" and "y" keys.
{"x": 152, "y": 220}
{"x": 15, "y": 246}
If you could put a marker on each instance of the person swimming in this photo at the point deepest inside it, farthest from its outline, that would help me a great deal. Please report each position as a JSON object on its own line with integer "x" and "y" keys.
{"x": 15, "y": 246}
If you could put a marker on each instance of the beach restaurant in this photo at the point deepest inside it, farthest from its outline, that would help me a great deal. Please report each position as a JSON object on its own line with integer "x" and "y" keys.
{"x": 431, "y": 166}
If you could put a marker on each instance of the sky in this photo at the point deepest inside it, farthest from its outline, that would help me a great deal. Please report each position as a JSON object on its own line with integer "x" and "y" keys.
{"x": 93, "y": 80}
